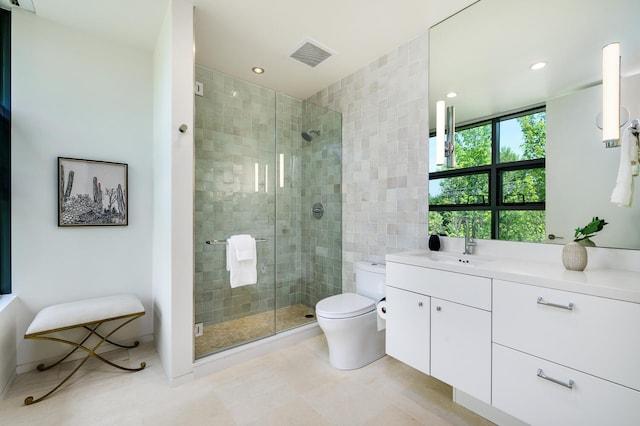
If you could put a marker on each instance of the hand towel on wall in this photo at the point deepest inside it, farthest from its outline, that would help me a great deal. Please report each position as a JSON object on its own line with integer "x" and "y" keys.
{"x": 241, "y": 260}
{"x": 623, "y": 191}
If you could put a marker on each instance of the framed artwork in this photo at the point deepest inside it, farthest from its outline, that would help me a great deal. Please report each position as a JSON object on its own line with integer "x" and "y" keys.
{"x": 92, "y": 193}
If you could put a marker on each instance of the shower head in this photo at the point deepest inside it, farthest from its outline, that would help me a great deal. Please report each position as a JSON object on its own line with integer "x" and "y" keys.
{"x": 307, "y": 135}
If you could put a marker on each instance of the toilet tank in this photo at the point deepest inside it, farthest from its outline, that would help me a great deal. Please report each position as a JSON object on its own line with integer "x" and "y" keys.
{"x": 370, "y": 280}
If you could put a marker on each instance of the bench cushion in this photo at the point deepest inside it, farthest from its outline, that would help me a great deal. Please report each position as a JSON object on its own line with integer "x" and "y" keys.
{"x": 84, "y": 312}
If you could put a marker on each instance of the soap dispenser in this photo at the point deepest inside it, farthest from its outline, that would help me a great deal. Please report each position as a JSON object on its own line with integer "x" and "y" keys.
{"x": 434, "y": 242}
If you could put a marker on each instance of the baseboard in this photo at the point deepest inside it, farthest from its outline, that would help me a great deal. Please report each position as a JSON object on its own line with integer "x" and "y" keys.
{"x": 485, "y": 410}
{"x": 7, "y": 385}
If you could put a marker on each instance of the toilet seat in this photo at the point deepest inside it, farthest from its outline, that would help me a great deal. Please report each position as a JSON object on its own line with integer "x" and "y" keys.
{"x": 345, "y": 305}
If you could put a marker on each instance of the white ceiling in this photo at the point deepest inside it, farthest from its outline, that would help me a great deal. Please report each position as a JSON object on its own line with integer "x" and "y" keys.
{"x": 232, "y": 36}
{"x": 494, "y": 47}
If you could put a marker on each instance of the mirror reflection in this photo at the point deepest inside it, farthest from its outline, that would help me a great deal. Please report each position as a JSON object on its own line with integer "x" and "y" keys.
{"x": 538, "y": 167}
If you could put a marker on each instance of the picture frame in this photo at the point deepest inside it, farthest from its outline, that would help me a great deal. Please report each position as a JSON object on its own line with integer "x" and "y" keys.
{"x": 92, "y": 193}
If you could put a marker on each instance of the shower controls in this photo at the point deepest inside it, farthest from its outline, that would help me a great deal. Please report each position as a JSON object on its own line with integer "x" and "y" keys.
{"x": 318, "y": 210}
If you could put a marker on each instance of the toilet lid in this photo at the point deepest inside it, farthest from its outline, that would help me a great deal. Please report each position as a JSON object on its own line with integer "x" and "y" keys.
{"x": 345, "y": 305}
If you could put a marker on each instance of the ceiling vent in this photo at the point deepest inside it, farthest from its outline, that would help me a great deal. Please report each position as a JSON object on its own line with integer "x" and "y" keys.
{"x": 311, "y": 54}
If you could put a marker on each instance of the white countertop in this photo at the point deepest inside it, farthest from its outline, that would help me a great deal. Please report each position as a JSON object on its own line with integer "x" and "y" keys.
{"x": 610, "y": 283}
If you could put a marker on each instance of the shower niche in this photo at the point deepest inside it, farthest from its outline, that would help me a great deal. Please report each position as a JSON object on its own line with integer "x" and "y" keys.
{"x": 262, "y": 160}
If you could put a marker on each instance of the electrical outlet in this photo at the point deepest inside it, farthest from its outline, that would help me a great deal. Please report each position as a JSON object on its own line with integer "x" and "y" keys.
{"x": 199, "y": 329}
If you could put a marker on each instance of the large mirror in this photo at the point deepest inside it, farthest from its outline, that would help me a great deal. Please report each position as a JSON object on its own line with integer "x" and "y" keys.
{"x": 484, "y": 54}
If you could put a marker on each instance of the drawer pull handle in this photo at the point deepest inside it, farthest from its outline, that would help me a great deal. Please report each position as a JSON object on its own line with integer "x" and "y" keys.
{"x": 568, "y": 307}
{"x": 556, "y": 381}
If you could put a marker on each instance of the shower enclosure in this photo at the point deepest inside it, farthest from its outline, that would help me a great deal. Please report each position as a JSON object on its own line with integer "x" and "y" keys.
{"x": 270, "y": 166}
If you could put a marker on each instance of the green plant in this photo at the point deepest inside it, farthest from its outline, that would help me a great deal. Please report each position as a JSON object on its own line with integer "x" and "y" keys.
{"x": 583, "y": 234}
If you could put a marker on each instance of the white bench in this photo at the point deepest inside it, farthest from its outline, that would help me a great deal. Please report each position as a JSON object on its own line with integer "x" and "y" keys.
{"x": 88, "y": 314}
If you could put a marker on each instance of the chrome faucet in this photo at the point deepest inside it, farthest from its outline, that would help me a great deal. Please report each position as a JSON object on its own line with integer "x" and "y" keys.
{"x": 474, "y": 226}
{"x": 469, "y": 243}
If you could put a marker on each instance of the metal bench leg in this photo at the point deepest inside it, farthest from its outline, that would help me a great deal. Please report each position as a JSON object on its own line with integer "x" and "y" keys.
{"x": 90, "y": 353}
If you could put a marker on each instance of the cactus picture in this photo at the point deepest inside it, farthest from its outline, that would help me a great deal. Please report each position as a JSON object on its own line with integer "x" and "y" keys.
{"x": 92, "y": 193}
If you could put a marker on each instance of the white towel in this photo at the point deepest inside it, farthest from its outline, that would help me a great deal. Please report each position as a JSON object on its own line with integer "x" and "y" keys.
{"x": 621, "y": 195}
{"x": 241, "y": 260}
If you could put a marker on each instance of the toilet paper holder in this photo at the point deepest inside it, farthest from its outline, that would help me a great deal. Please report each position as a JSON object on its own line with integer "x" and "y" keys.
{"x": 381, "y": 308}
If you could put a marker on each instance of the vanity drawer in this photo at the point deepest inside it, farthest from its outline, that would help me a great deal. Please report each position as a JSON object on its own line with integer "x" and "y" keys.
{"x": 460, "y": 288}
{"x": 519, "y": 391}
{"x": 596, "y": 335}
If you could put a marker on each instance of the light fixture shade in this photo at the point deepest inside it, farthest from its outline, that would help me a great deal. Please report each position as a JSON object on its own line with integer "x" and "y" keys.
{"x": 611, "y": 94}
{"x": 281, "y": 170}
{"x": 440, "y": 120}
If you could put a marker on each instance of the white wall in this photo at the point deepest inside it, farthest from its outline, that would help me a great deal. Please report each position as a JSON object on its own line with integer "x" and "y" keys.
{"x": 77, "y": 96}
{"x": 8, "y": 340}
{"x": 581, "y": 172}
{"x": 173, "y": 188}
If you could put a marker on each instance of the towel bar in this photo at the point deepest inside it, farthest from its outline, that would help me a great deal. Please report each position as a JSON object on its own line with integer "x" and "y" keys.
{"x": 212, "y": 242}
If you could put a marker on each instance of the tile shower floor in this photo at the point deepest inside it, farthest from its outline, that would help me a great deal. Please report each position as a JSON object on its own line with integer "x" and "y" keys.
{"x": 231, "y": 333}
{"x": 295, "y": 385}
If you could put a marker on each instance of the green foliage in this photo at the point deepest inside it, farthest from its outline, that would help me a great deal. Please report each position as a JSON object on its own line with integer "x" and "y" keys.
{"x": 534, "y": 133}
{"x": 524, "y": 186}
{"x": 596, "y": 225}
{"x": 522, "y": 225}
{"x": 473, "y": 148}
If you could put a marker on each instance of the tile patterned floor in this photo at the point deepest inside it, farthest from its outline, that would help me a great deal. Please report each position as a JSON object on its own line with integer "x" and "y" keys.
{"x": 292, "y": 386}
{"x": 228, "y": 334}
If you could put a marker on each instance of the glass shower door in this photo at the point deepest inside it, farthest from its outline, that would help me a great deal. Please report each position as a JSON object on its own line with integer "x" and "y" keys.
{"x": 235, "y": 194}
{"x": 264, "y": 162}
{"x": 308, "y": 209}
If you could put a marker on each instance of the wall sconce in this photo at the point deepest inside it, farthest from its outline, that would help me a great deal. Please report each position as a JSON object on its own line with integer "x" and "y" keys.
{"x": 440, "y": 120}
{"x": 611, "y": 95}
{"x": 445, "y": 134}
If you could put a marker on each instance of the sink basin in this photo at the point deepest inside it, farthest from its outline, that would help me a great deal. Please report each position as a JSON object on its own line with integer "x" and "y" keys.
{"x": 457, "y": 259}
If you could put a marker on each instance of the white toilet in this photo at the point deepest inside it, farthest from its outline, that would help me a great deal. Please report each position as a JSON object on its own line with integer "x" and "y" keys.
{"x": 350, "y": 321}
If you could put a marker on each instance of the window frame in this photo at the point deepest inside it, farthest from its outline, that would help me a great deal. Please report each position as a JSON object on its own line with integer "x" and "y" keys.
{"x": 495, "y": 170}
{"x": 5, "y": 152}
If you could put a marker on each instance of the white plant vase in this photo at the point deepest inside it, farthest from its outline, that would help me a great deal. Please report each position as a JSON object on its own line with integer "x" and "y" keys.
{"x": 574, "y": 256}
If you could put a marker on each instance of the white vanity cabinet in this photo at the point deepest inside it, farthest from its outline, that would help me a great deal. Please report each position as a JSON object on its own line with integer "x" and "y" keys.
{"x": 461, "y": 347}
{"x": 439, "y": 322}
{"x": 408, "y": 324}
{"x": 565, "y": 358}
{"x": 521, "y": 340}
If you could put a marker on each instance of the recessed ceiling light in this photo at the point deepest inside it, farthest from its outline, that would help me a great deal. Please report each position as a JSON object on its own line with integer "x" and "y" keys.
{"x": 538, "y": 66}
{"x": 452, "y": 94}
{"x": 257, "y": 70}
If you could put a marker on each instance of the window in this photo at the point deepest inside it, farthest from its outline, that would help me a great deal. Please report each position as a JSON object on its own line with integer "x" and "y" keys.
{"x": 5, "y": 152}
{"x": 498, "y": 176}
